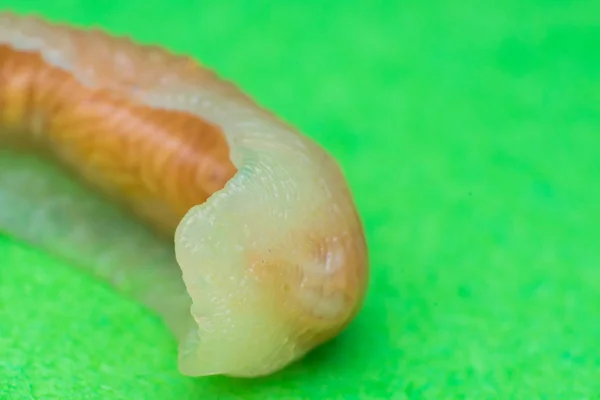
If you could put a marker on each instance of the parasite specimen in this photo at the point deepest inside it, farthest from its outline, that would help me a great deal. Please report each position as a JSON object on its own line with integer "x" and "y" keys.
{"x": 168, "y": 181}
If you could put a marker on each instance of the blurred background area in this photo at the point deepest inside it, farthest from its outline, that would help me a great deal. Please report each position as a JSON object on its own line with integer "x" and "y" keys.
{"x": 468, "y": 131}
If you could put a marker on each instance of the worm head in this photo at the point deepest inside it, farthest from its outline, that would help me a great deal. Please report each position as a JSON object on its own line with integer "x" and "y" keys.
{"x": 275, "y": 263}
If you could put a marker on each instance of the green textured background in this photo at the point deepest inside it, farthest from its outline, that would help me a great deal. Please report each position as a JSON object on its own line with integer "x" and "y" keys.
{"x": 470, "y": 135}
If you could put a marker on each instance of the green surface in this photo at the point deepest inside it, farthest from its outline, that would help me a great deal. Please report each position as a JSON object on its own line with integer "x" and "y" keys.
{"x": 469, "y": 133}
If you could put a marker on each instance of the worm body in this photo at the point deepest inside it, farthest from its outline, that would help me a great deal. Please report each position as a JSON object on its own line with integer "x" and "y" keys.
{"x": 254, "y": 252}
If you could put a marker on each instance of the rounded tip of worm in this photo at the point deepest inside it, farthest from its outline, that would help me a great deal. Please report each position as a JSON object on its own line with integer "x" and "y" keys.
{"x": 275, "y": 263}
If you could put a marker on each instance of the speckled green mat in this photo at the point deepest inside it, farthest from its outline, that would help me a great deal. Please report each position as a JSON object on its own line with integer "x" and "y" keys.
{"x": 470, "y": 133}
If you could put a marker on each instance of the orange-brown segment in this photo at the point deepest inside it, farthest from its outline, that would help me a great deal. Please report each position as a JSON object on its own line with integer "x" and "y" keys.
{"x": 160, "y": 162}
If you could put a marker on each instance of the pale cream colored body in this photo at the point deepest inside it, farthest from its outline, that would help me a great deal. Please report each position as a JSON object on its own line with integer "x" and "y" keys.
{"x": 266, "y": 233}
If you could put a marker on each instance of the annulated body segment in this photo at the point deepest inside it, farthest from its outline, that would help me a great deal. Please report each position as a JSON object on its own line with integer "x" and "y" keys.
{"x": 266, "y": 235}
{"x": 159, "y": 162}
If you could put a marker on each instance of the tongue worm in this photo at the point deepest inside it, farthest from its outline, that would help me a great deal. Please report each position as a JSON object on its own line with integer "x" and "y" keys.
{"x": 153, "y": 173}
